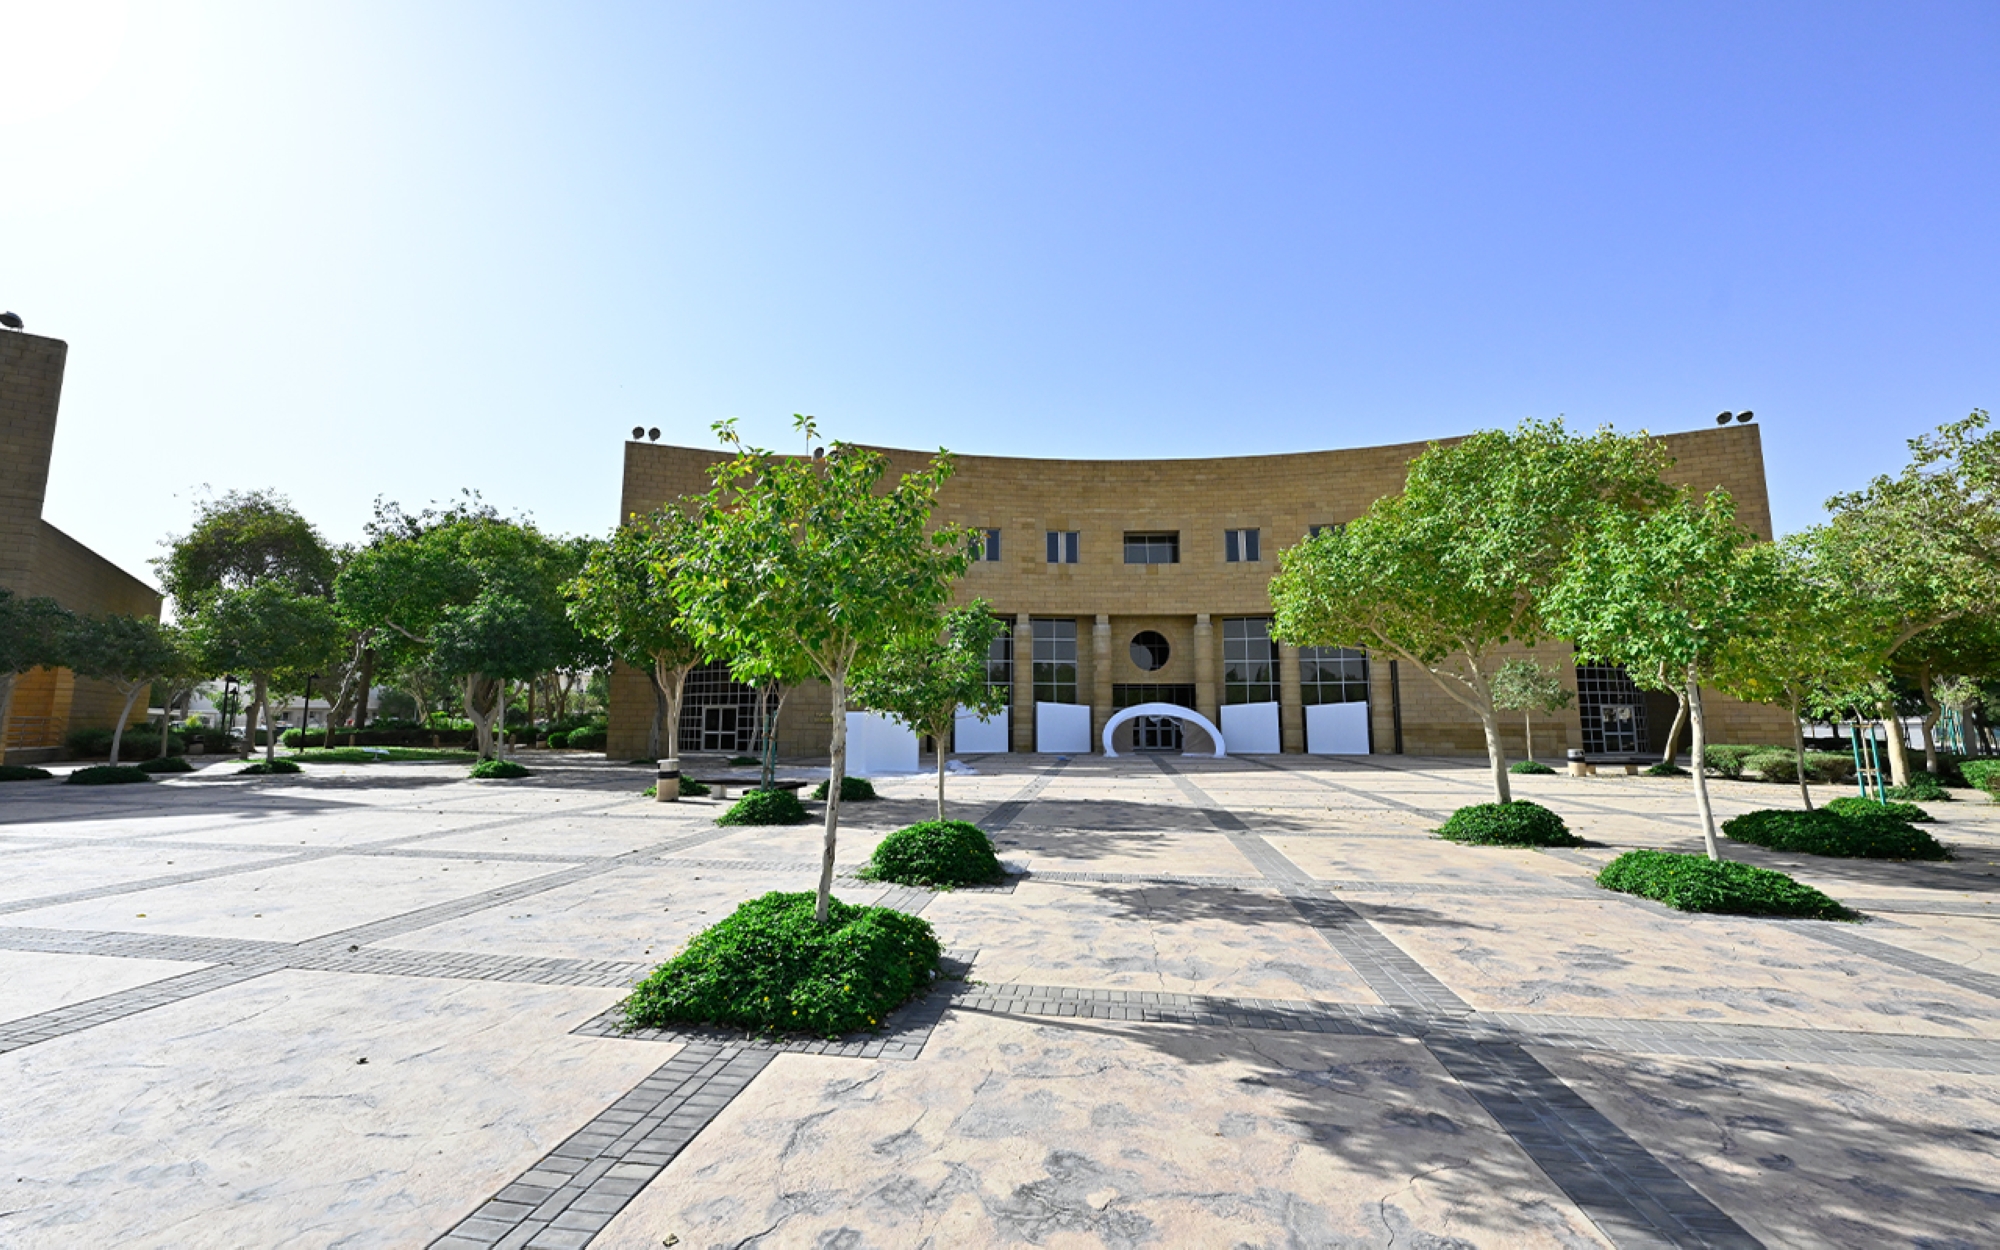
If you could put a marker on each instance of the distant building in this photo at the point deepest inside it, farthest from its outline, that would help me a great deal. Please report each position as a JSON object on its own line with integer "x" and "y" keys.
{"x": 36, "y": 558}
{"x": 1127, "y": 582}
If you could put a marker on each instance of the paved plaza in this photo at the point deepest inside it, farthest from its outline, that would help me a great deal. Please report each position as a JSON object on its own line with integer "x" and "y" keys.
{"x": 1247, "y": 1002}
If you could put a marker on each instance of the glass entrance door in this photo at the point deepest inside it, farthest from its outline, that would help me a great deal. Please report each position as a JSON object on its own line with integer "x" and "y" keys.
{"x": 718, "y": 729}
{"x": 1621, "y": 727}
{"x": 1156, "y": 733}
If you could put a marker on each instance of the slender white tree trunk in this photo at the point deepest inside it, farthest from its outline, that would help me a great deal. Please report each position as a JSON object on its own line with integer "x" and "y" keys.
{"x": 1528, "y": 731}
{"x": 1799, "y": 752}
{"x": 1700, "y": 725}
{"x": 503, "y": 718}
{"x": 480, "y": 714}
{"x": 1899, "y": 751}
{"x": 1674, "y": 734}
{"x": 1496, "y": 757}
{"x": 938, "y": 739}
{"x": 124, "y": 714}
{"x": 270, "y": 724}
{"x": 835, "y": 777}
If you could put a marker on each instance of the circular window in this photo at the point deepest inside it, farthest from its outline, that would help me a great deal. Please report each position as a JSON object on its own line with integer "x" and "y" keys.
{"x": 1149, "y": 651}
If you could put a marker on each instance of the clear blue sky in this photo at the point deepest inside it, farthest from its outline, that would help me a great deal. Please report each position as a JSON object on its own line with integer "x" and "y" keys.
{"x": 350, "y": 249}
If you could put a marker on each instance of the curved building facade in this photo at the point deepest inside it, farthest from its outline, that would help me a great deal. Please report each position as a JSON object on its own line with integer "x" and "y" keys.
{"x": 1148, "y": 581}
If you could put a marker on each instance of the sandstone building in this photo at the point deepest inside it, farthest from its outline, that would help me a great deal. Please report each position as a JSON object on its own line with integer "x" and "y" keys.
{"x": 36, "y": 558}
{"x": 1127, "y": 582}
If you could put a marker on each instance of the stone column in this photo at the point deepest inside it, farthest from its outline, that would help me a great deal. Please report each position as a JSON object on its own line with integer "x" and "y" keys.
{"x": 1021, "y": 717}
{"x": 1206, "y": 699}
{"x": 1100, "y": 678}
{"x": 1291, "y": 712}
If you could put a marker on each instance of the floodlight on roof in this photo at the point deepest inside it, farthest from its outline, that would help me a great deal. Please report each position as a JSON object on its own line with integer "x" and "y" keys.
{"x": 12, "y": 320}
{"x": 1743, "y": 416}
{"x": 653, "y": 435}
{"x": 638, "y": 431}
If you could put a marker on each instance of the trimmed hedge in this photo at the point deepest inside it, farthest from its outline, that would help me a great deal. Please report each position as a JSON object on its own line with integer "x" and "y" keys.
{"x": 1726, "y": 760}
{"x": 742, "y": 761}
{"x": 558, "y": 741}
{"x": 1666, "y": 769}
{"x": 106, "y": 775}
{"x": 1982, "y": 775}
{"x": 1868, "y": 809}
{"x": 765, "y": 807}
{"x": 23, "y": 772}
{"x": 378, "y": 736}
{"x": 497, "y": 770}
{"x": 1519, "y": 823}
{"x": 1828, "y": 767}
{"x": 770, "y": 968}
{"x": 1827, "y": 832}
{"x": 269, "y": 768}
{"x": 937, "y": 854}
{"x": 852, "y": 790}
{"x": 1923, "y": 788}
{"x": 1700, "y": 884}
{"x": 165, "y": 764}
{"x": 1530, "y": 768}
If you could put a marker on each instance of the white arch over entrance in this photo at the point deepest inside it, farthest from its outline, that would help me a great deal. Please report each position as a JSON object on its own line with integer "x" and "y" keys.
{"x": 1174, "y": 710}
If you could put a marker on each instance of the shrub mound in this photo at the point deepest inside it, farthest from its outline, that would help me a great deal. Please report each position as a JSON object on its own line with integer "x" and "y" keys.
{"x": 23, "y": 772}
{"x": 1530, "y": 768}
{"x": 1829, "y": 767}
{"x": 497, "y": 770}
{"x": 765, "y": 807}
{"x": 380, "y": 755}
{"x": 1981, "y": 774}
{"x": 937, "y": 854}
{"x": 589, "y": 738}
{"x": 1726, "y": 760}
{"x": 852, "y": 790}
{"x": 743, "y": 761}
{"x": 106, "y": 775}
{"x": 269, "y": 768}
{"x": 1519, "y": 823}
{"x": 1868, "y": 809}
{"x": 1826, "y": 832}
{"x": 1665, "y": 769}
{"x": 769, "y": 968}
{"x": 165, "y": 764}
{"x": 1698, "y": 883}
{"x": 558, "y": 741}
{"x": 690, "y": 789}
{"x": 1923, "y": 788}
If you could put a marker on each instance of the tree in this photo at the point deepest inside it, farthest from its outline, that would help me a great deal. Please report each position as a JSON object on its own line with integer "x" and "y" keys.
{"x": 1809, "y": 650}
{"x": 34, "y": 633}
{"x": 623, "y": 597}
{"x": 1454, "y": 567}
{"x": 273, "y": 633}
{"x": 1921, "y": 548}
{"x": 242, "y": 539}
{"x": 817, "y": 557}
{"x": 129, "y": 653}
{"x": 924, "y": 677}
{"x": 1521, "y": 685}
{"x": 1664, "y": 593}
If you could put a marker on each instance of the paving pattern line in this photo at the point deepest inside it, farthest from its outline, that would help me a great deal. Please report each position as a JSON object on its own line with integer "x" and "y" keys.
{"x": 1008, "y": 811}
{"x": 76, "y": 1017}
{"x": 1428, "y": 813}
{"x": 1857, "y": 942}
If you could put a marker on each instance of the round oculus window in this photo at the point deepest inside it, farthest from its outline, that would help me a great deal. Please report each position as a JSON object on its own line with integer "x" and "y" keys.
{"x": 1149, "y": 651}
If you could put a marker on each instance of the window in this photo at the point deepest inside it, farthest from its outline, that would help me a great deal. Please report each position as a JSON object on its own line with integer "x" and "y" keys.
{"x": 1249, "y": 660}
{"x": 1149, "y": 651}
{"x": 1611, "y": 708}
{"x": 718, "y": 713}
{"x": 1132, "y": 694}
{"x": 1152, "y": 548}
{"x": 1240, "y": 546}
{"x": 1314, "y": 531}
{"x": 986, "y": 546}
{"x": 1000, "y": 663}
{"x": 1333, "y": 675}
{"x": 1055, "y": 661}
{"x": 1063, "y": 546}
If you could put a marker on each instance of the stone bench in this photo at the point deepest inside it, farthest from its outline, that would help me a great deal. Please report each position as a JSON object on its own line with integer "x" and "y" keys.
{"x": 1581, "y": 765}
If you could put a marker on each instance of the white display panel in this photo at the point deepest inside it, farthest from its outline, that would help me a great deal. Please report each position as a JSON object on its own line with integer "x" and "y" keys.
{"x": 1337, "y": 729}
{"x": 972, "y": 736}
{"x": 1062, "y": 729}
{"x": 1251, "y": 728}
{"x": 877, "y": 746}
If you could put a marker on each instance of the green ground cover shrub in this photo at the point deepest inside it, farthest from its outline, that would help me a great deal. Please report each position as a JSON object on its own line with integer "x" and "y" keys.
{"x": 1665, "y": 769}
{"x": 768, "y": 967}
{"x": 165, "y": 764}
{"x": 23, "y": 772}
{"x": 140, "y": 741}
{"x": 1828, "y": 767}
{"x": 1982, "y": 775}
{"x": 1923, "y": 788}
{"x": 690, "y": 789}
{"x": 1530, "y": 768}
{"x": 765, "y": 807}
{"x": 852, "y": 790}
{"x": 558, "y": 741}
{"x": 589, "y": 738}
{"x": 1519, "y": 823}
{"x": 1876, "y": 835}
{"x": 106, "y": 775}
{"x": 380, "y": 755}
{"x": 378, "y": 735}
{"x": 269, "y": 768}
{"x": 1698, "y": 883}
{"x": 743, "y": 761}
{"x": 1726, "y": 760}
{"x": 1866, "y": 809}
{"x": 937, "y": 854}
{"x": 497, "y": 770}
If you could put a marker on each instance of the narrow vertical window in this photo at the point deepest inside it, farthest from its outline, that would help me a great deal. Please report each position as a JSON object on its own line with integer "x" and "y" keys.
{"x": 989, "y": 546}
{"x": 1063, "y": 546}
{"x": 1239, "y": 546}
{"x": 1055, "y": 661}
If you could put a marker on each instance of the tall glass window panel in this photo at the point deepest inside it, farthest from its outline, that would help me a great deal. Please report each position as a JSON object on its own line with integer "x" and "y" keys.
{"x": 1249, "y": 660}
{"x": 1000, "y": 664}
{"x": 1055, "y": 661}
{"x": 1240, "y": 546}
{"x": 1333, "y": 675}
{"x": 1064, "y": 546}
{"x": 1153, "y": 548}
{"x": 986, "y": 546}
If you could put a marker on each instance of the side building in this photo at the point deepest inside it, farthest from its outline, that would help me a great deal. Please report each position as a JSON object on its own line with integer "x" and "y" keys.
{"x": 36, "y": 558}
{"x": 1126, "y": 582}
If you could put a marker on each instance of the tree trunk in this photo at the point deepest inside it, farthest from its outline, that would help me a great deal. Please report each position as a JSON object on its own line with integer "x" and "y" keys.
{"x": 166, "y": 721}
{"x": 1799, "y": 753}
{"x": 503, "y": 719}
{"x": 1496, "y": 757}
{"x": 1674, "y": 734}
{"x": 1699, "y": 724}
{"x": 1899, "y": 752}
{"x": 531, "y": 711}
{"x": 836, "y": 776}
{"x": 1931, "y": 713}
{"x": 659, "y": 715}
{"x": 669, "y": 687}
{"x": 367, "y": 685}
{"x": 1528, "y": 732}
{"x": 938, "y": 740}
{"x": 480, "y": 714}
{"x": 270, "y": 723}
{"x": 124, "y": 714}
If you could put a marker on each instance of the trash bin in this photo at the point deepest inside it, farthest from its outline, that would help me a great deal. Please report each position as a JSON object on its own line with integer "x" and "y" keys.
{"x": 668, "y": 786}
{"x": 1578, "y": 766}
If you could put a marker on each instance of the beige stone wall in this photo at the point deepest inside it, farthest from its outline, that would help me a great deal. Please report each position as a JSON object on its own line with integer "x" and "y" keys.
{"x": 1279, "y": 495}
{"x": 31, "y": 373}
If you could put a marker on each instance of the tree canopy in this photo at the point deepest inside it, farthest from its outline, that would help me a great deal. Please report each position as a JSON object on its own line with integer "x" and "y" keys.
{"x": 924, "y": 677}
{"x": 270, "y": 632}
{"x": 623, "y": 597}
{"x": 241, "y": 539}
{"x": 129, "y": 653}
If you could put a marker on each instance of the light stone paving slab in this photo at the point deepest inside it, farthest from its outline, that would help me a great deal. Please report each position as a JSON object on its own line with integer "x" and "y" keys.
{"x": 1430, "y": 860}
{"x": 1970, "y": 941}
{"x": 64, "y": 869}
{"x": 32, "y": 982}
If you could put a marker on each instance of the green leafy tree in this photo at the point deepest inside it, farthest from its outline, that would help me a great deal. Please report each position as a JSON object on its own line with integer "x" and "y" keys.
{"x": 924, "y": 677}
{"x": 1521, "y": 685}
{"x": 1453, "y": 568}
{"x": 271, "y": 632}
{"x": 242, "y": 539}
{"x": 1920, "y": 549}
{"x": 1663, "y": 594}
{"x": 128, "y": 653}
{"x": 1968, "y": 644}
{"x": 623, "y": 597}
{"x": 34, "y": 633}
{"x": 817, "y": 557}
